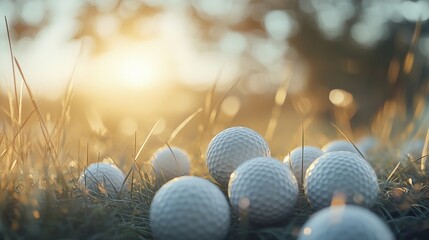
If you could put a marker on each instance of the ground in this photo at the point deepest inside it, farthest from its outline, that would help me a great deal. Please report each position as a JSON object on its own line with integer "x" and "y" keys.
{"x": 43, "y": 152}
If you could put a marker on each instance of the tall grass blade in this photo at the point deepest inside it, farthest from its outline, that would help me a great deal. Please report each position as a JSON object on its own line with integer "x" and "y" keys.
{"x": 393, "y": 172}
{"x": 183, "y": 124}
{"x": 39, "y": 115}
{"x": 424, "y": 163}
{"x": 12, "y": 56}
{"x": 215, "y": 110}
{"x": 279, "y": 100}
{"x": 348, "y": 139}
{"x": 146, "y": 140}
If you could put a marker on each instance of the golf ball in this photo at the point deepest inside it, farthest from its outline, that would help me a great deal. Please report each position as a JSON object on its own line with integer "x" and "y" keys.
{"x": 367, "y": 144}
{"x": 169, "y": 163}
{"x": 103, "y": 178}
{"x": 263, "y": 190}
{"x": 339, "y": 145}
{"x": 342, "y": 175}
{"x": 345, "y": 222}
{"x": 299, "y": 162}
{"x": 189, "y": 208}
{"x": 230, "y": 148}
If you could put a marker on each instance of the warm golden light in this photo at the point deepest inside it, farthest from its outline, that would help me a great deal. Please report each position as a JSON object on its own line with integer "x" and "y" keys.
{"x": 128, "y": 126}
{"x": 340, "y": 98}
{"x": 409, "y": 62}
{"x": 36, "y": 214}
{"x": 307, "y": 231}
{"x": 339, "y": 199}
{"x": 244, "y": 203}
{"x": 231, "y": 105}
{"x": 128, "y": 65}
{"x": 95, "y": 121}
{"x": 137, "y": 71}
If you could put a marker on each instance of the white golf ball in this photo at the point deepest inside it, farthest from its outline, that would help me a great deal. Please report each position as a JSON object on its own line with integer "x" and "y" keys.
{"x": 367, "y": 144}
{"x": 339, "y": 145}
{"x": 189, "y": 208}
{"x": 341, "y": 174}
{"x": 345, "y": 222}
{"x": 103, "y": 178}
{"x": 230, "y": 148}
{"x": 263, "y": 190}
{"x": 169, "y": 163}
{"x": 299, "y": 162}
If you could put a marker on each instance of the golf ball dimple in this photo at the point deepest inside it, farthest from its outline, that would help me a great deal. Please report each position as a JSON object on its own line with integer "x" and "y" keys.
{"x": 263, "y": 190}
{"x": 103, "y": 178}
{"x": 341, "y": 174}
{"x": 345, "y": 222}
{"x": 339, "y": 145}
{"x": 230, "y": 148}
{"x": 299, "y": 162}
{"x": 169, "y": 163}
{"x": 189, "y": 208}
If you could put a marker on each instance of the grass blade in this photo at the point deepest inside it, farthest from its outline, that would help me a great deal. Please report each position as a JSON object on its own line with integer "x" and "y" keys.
{"x": 348, "y": 139}
{"x": 146, "y": 140}
{"x": 12, "y": 57}
{"x": 183, "y": 124}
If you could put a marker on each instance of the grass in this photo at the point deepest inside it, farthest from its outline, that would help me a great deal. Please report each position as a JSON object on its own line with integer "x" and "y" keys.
{"x": 41, "y": 158}
{"x": 40, "y": 198}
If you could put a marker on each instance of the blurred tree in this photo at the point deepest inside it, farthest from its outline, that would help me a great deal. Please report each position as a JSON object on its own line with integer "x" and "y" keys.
{"x": 368, "y": 48}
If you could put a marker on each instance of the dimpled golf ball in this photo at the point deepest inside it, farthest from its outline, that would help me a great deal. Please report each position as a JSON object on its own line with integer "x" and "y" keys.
{"x": 189, "y": 208}
{"x": 343, "y": 175}
{"x": 345, "y": 222}
{"x": 299, "y": 162}
{"x": 169, "y": 163}
{"x": 230, "y": 148}
{"x": 339, "y": 145}
{"x": 103, "y": 178}
{"x": 263, "y": 190}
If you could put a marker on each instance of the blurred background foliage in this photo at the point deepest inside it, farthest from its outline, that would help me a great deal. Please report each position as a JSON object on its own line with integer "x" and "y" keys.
{"x": 329, "y": 55}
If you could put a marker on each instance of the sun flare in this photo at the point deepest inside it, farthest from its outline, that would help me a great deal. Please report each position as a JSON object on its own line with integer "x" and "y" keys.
{"x": 130, "y": 65}
{"x": 137, "y": 71}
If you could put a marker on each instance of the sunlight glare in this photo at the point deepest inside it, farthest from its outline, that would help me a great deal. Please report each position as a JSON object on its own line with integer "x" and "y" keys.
{"x": 340, "y": 98}
{"x": 136, "y": 66}
{"x": 137, "y": 71}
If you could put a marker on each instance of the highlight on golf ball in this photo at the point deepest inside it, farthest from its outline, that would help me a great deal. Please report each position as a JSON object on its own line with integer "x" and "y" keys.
{"x": 299, "y": 160}
{"x": 103, "y": 179}
{"x": 170, "y": 162}
{"x": 345, "y": 222}
{"x": 263, "y": 190}
{"x": 230, "y": 148}
{"x": 342, "y": 175}
{"x": 189, "y": 208}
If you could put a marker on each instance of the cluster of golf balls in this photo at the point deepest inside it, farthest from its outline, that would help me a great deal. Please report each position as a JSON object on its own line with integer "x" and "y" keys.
{"x": 108, "y": 180}
{"x": 337, "y": 181}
